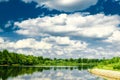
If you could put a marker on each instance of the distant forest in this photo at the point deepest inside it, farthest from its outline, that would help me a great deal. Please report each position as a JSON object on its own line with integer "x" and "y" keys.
{"x": 14, "y": 59}
{"x": 11, "y": 58}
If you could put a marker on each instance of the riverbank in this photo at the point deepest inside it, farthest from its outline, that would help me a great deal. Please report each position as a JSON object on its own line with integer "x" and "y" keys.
{"x": 55, "y": 65}
{"x": 108, "y": 74}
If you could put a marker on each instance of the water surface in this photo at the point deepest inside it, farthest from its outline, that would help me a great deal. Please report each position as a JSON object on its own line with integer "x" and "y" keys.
{"x": 46, "y": 73}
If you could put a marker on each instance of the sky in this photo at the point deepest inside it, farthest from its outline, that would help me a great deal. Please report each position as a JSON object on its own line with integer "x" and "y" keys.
{"x": 61, "y": 28}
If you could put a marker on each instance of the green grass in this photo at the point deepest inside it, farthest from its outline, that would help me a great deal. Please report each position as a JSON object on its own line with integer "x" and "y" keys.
{"x": 109, "y": 64}
{"x": 112, "y": 66}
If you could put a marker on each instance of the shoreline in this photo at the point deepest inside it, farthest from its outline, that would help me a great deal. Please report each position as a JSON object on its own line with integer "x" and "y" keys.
{"x": 18, "y": 65}
{"x": 33, "y": 66}
{"x": 108, "y": 74}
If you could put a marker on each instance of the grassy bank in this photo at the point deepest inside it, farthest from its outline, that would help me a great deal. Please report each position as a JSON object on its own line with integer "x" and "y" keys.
{"x": 69, "y": 64}
{"x": 110, "y": 64}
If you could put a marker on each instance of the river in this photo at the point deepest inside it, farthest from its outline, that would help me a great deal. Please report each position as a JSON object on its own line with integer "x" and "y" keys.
{"x": 46, "y": 73}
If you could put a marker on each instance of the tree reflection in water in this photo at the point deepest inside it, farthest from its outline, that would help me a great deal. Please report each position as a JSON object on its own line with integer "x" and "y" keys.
{"x": 10, "y": 71}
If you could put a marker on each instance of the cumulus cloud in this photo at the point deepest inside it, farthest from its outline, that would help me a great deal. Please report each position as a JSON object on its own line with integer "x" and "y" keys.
{"x": 25, "y": 43}
{"x": 66, "y": 26}
{"x": 1, "y": 40}
{"x": 60, "y": 47}
{"x": 49, "y": 45}
{"x": 114, "y": 38}
{"x": 66, "y": 43}
{"x": 96, "y": 26}
{"x": 64, "y": 5}
{"x": 100, "y": 52}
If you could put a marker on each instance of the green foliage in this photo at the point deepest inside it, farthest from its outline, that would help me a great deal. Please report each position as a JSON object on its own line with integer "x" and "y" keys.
{"x": 11, "y": 58}
{"x": 113, "y": 64}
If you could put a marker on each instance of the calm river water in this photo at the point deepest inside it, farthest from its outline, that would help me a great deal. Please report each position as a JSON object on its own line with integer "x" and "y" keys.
{"x": 46, "y": 73}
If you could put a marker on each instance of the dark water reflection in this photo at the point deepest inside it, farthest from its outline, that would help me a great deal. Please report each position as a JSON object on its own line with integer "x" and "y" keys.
{"x": 46, "y": 73}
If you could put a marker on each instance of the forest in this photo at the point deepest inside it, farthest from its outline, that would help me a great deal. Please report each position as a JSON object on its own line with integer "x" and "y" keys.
{"x": 14, "y": 59}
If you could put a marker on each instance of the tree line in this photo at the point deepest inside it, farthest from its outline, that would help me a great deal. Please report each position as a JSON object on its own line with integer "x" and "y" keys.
{"x": 12, "y": 58}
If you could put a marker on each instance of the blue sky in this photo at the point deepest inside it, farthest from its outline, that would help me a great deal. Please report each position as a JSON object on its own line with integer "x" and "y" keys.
{"x": 61, "y": 28}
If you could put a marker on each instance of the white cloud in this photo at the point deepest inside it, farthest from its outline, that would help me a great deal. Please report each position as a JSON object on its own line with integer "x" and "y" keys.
{"x": 96, "y": 26}
{"x": 60, "y": 47}
{"x": 64, "y": 5}
{"x": 32, "y": 43}
{"x": 50, "y": 45}
{"x": 114, "y": 38}
{"x": 66, "y": 43}
{"x": 29, "y": 43}
{"x": 1, "y": 40}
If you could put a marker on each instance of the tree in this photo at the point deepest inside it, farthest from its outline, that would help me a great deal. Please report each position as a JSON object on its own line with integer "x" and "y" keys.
{"x": 79, "y": 60}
